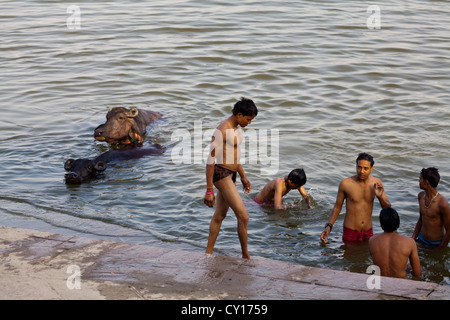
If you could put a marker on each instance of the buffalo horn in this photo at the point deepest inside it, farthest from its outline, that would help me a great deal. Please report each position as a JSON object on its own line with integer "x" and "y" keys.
{"x": 100, "y": 166}
{"x": 133, "y": 113}
{"x": 68, "y": 164}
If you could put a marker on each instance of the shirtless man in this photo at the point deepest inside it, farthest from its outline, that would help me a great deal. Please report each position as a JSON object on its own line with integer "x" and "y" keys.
{"x": 221, "y": 168}
{"x": 279, "y": 187}
{"x": 433, "y": 226}
{"x": 390, "y": 251}
{"x": 359, "y": 191}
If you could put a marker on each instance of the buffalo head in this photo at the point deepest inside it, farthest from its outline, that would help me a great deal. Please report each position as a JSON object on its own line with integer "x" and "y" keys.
{"x": 124, "y": 125}
{"x": 81, "y": 170}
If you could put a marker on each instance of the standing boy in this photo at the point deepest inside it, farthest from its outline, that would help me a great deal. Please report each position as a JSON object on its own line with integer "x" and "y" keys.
{"x": 221, "y": 168}
{"x": 433, "y": 226}
{"x": 359, "y": 192}
{"x": 279, "y": 187}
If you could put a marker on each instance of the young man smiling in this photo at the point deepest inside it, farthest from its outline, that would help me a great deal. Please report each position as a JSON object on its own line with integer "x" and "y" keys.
{"x": 359, "y": 192}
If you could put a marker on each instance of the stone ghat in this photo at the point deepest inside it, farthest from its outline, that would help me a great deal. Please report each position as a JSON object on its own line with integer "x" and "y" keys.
{"x": 37, "y": 265}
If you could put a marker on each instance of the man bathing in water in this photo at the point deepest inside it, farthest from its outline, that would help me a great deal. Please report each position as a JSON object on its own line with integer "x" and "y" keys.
{"x": 359, "y": 192}
{"x": 279, "y": 187}
{"x": 433, "y": 226}
{"x": 221, "y": 168}
{"x": 391, "y": 251}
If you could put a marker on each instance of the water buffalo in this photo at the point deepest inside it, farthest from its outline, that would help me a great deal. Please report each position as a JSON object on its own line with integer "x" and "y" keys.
{"x": 82, "y": 170}
{"x": 125, "y": 126}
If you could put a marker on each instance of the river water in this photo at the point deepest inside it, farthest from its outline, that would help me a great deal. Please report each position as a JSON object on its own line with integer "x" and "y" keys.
{"x": 331, "y": 79}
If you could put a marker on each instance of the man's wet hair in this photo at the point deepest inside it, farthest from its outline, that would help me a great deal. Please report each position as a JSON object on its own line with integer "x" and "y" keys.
{"x": 389, "y": 219}
{"x": 298, "y": 177}
{"x": 365, "y": 156}
{"x": 431, "y": 175}
{"x": 245, "y": 106}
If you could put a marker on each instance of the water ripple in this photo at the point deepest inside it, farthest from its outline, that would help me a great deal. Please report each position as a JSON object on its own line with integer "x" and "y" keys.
{"x": 331, "y": 86}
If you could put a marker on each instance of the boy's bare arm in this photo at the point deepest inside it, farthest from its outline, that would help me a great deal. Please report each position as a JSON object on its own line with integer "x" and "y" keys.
{"x": 277, "y": 197}
{"x": 445, "y": 211}
{"x": 417, "y": 228}
{"x": 338, "y": 204}
{"x": 246, "y": 185}
{"x": 209, "y": 198}
{"x": 335, "y": 212}
{"x": 381, "y": 195}
{"x": 304, "y": 195}
{"x": 414, "y": 260}
{"x": 419, "y": 222}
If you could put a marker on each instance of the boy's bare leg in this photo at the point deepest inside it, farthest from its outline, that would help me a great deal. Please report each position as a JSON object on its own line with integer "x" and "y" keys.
{"x": 231, "y": 197}
{"x": 216, "y": 221}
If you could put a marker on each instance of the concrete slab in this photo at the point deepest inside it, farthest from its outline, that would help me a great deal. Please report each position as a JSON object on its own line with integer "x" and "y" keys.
{"x": 39, "y": 265}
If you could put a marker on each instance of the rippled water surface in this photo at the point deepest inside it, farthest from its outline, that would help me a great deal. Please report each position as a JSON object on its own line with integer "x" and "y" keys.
{"x": 322, "y": 77}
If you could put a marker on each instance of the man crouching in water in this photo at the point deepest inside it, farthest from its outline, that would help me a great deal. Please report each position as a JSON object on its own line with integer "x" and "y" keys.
{"x": 221, "y": 168}
{"x": 359, "y": 192}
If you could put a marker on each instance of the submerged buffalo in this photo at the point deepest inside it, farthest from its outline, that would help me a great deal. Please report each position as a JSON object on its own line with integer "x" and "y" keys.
{"x": 125, "y": 126}
{"x": 82, "y": 170}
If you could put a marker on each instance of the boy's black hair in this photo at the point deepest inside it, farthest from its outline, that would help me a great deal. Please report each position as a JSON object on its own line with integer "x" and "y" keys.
{"x": 245, "y": 106}
{"x": 365, "y": 156}
{"x": 431, "y": 175}
{"x": 389, "y": 219}
{"x": 298, "y": 177}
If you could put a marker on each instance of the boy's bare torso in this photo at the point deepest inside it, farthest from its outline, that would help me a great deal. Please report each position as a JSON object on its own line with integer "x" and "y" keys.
{"x": 359, "y": 197}
{"x": 390, "y": 252}
{"x": 267, "y": 194}
{"x": 432, "y": 222}
{"x": 227, "y": 141}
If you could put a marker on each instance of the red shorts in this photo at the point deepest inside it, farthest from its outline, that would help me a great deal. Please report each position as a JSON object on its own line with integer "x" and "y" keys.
{"x": 261, "y": 203}
{"x": 350, "y": 235}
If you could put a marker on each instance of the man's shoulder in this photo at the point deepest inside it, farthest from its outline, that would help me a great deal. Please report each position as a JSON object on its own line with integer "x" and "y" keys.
{"x": 444, "y": 207}
{"x": 345, "y": 184}
{"x": 222, "y": 126}
{"x": 221, "y": 129}
{"x": 377, "y": 239}
{"x": 348, "y": 180}
{"x": 443, "y": 200}
{"x": 374, "y": 238}
{"x": 405, "y": 239}
{"x": 277, "y": 182}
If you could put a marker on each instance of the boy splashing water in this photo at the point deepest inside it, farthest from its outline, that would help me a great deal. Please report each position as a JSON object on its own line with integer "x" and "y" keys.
{"x": 279, "y": 187}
